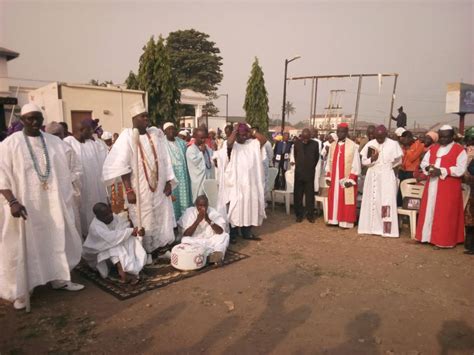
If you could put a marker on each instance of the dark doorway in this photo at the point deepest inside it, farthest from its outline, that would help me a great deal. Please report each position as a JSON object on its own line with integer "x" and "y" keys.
{"x": 78, "y": 116}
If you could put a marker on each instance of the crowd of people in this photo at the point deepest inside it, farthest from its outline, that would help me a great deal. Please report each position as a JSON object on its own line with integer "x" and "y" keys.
{"x": 120, "y": 202}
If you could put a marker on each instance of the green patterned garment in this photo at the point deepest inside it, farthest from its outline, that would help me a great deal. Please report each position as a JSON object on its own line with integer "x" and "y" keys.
{"x": 182, "y": 192}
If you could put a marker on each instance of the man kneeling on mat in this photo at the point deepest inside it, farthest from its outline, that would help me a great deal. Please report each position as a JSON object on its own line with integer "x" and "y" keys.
{"x": 205, "y": 226}
{"x": 111, "y": 240}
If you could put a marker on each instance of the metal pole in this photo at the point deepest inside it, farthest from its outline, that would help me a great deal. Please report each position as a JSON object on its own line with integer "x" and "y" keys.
{"x": 311, "y": 104}
{"x": 315, "y": 100}
{"x": 392, "y": 102}
{"x": 356, "y": 113}
{"x": 226, "y": 108}
{"x": 283, "y": 109}
{"x": 461, "y": 122}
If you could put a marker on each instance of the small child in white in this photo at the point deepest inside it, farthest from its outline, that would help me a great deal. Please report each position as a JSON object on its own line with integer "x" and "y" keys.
{"x": 111, "y": 238}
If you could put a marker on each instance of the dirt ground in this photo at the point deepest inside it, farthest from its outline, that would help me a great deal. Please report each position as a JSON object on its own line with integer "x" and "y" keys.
{"x": 306, "y": 289}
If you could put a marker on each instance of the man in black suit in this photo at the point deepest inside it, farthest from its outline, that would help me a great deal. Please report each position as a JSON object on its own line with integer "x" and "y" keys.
{"x": 306, "y": 154}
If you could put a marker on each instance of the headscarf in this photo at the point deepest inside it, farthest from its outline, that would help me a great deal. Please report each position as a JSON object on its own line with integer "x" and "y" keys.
{"x": 243, "y": 128}
{"x": 434, "y": 136}
{"x": 381, "y": 129}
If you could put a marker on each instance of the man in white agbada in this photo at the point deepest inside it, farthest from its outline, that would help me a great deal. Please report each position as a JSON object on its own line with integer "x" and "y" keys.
{"x": 154, "y": 179}
{"x": 221, "y": 160}
{"x": 57, "y": 129}
{"x": 205, "y": 226}
{"x": 378, "y": 214}
{"x": 112, "y": 239}
{"x": 319, "y": 171}
{"x": 91, "y": 155}
{"x": 200, "y": 165}
{"x": 244, "y": 179}
{"x": 267, "y": 162}
{"x": 36, "y": 183}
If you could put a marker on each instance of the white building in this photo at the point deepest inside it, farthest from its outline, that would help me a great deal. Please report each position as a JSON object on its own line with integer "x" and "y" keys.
{"x": 69, "y": 103}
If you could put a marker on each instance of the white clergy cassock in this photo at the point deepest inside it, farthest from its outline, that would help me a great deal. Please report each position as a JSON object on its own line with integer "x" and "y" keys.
{"x": 53, "y": 243}
{"x": 244, "y": 179}
{"x": 91, "y": 155}
{"x": 200, "y": 167}
{"x": 204, "y": 235}
{"x": 156, "y": 208}
{"x": 113, "y": 242}
{"x": 378, "y": 214}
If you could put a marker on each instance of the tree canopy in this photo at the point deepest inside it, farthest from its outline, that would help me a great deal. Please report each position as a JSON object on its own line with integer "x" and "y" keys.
{"x": 256, "y": 99}
{"x": 196, "y": 60}
{"x": 155, "y": 75}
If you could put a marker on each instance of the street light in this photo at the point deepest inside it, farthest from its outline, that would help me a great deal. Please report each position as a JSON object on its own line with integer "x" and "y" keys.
{"x": 283, "y": 109}
{"x": 226, "y": 106}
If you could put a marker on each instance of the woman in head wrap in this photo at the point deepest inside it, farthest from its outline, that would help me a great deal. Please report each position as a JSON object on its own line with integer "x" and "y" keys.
{"x": 430, "y": 139}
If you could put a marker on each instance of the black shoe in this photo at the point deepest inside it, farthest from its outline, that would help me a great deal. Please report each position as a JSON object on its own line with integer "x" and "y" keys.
{"x": 233, "y": 240}
{"x": 311, "y": 219}
{"x": 299, "y": 219}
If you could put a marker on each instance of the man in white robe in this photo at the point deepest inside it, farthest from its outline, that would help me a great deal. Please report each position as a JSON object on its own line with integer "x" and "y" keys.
{"x": 244, "y": 179}
{"x": 112, "y": 239}
{"x": 153, "y": 181}
{"x": 200, "y": 165}
{"x": 204, "y": 226}
{"x": 75, "y": 168}
{"x": 91, "y": 155}
{"x": 36, "y": 184}
{"x": 378, "y": 214}
{"x": 319, "y": 170}
{"x": 221, "y": 160}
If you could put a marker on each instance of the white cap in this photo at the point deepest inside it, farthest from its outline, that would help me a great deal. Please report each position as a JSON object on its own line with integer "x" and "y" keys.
{"x": 30, "y": 107}
{"x": 334, "y": 136}
{"x": 137, "y": 108}
{"x": 167, "y": 124}
{"x": 399, "y": 131}
{"x": 106, "y": 136}
{"x": 446, "y": 127}
{"x": 184, "y": 132}
{"x": 212, "y": 130}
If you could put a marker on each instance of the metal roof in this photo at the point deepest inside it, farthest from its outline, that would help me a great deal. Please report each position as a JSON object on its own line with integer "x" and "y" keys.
{"x": 8, "y": 53}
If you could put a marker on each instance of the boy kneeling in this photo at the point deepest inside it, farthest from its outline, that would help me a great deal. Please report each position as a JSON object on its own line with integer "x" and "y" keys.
{"x": 111, "y": 238}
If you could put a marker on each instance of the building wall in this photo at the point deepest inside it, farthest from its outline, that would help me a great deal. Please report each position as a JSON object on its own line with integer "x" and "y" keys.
{"x": 46, "y": 97}
{"x": 108, "y": 105}
{"x": 4, "y": 87}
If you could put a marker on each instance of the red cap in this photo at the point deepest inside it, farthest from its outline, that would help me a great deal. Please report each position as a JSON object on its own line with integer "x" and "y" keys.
{"x": 343, "y": 125}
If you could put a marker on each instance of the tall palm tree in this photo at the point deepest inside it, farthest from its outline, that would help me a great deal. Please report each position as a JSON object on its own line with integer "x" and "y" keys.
{"x": 289, "y": 109}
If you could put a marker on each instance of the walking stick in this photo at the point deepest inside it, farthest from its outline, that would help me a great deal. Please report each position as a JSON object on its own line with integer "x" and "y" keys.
{"x": 25, "y": 264}
{"x": 136, "y": 141}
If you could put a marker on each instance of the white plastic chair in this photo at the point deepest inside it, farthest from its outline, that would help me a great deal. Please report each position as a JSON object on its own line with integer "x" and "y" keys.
{"x": 211, "y": 189}
{"x": 324, "y": 201}
{"x": 286, "y": 193}
{"x": 409, "y": 188}
{"x": 272, "y": 174}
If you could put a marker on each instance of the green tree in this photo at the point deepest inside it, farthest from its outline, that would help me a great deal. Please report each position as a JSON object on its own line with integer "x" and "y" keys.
{"x": 195, "y": 60}
{"x": 95, "y": 82}
{"x": 256, "y": 99}
{"x": 132, "y": 81}
{"x": 156, "y": 77}
{"x": 289, "y": 109}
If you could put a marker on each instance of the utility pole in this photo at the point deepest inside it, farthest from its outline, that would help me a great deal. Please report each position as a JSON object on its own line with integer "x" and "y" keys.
{"x": 283, "y": 108}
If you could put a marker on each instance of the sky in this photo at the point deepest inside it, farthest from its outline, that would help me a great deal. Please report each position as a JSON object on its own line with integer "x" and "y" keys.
{"x": 429, "y": 43}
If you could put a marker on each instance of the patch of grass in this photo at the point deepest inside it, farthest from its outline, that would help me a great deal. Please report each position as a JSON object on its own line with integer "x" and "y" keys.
{"x": 16, "y": 351}
{"x": 60, "y": 321}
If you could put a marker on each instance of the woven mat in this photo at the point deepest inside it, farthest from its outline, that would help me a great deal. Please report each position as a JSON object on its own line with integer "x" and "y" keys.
{"x": 154, "y": 276}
